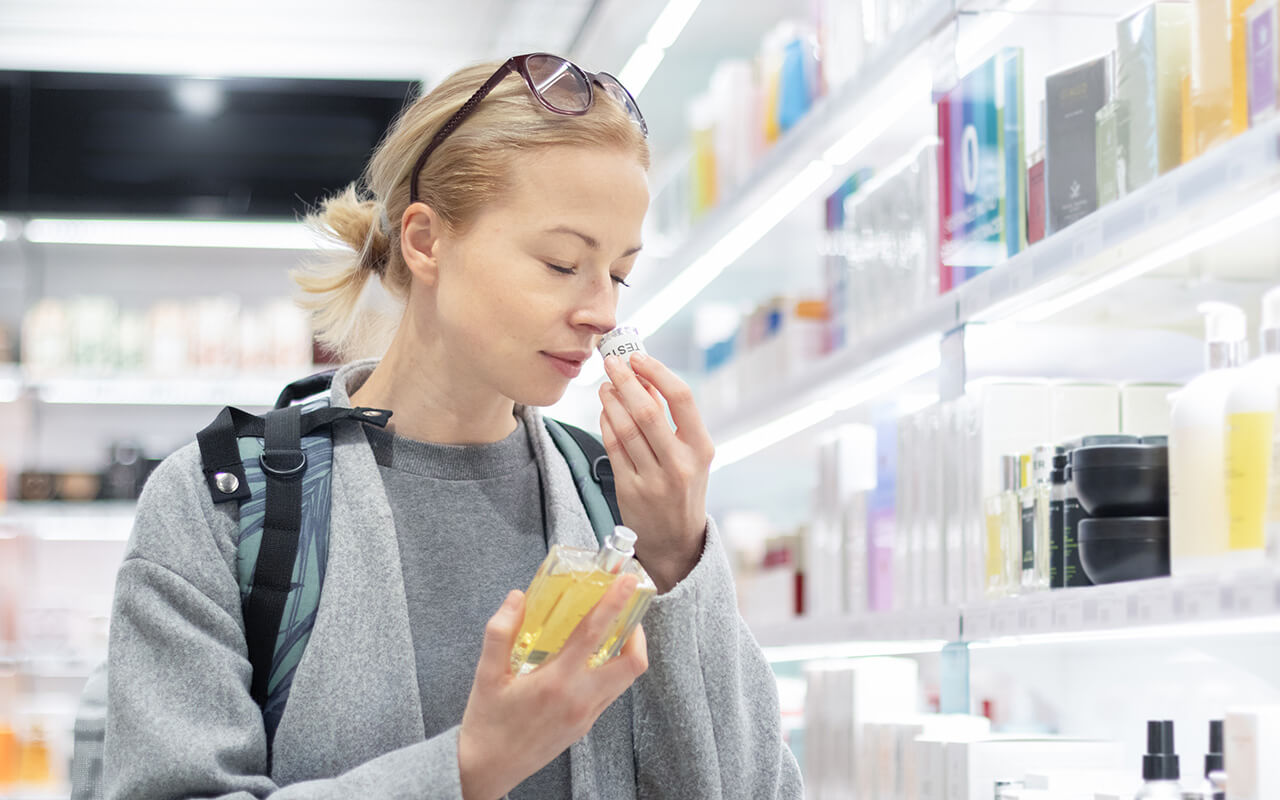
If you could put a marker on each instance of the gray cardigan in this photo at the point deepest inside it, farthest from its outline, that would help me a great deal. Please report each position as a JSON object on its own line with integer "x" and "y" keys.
{"x": 703, "y": 722}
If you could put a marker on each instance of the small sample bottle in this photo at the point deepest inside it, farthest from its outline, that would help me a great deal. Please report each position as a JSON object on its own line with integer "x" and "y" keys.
{"x": 1057, "y": 519}
{"x": 1011, "y": 523}
{"x": 35, "y": 767}
{"x": 1160, "y": 765}
{"x": 1024, "y": 575}
{"x": 993, "y": 510}
{"x": 567, "y": 586}
{"x": 1035, "y": 553}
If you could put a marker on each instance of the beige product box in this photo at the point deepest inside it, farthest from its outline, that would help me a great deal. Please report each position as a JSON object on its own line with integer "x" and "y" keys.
{"x": 1014, "y": 418}
{"x": 973, "y": 768}
{"x": 924, "y": 758}
{"x": 1146, "y": 408}
{"x": 1084, "y": 409}
{"x": 1252, "y": 736}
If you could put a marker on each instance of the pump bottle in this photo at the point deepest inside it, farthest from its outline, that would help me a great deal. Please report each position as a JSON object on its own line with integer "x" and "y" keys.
{"x": 1199, "y": 538}
{"x": 1250, "y": 444}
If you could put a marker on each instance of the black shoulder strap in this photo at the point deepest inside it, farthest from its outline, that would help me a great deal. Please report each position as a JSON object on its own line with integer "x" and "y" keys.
{"x": 283, "y": 463}
{"x": 312, "y": 384}
{"x": 601, "y": 467}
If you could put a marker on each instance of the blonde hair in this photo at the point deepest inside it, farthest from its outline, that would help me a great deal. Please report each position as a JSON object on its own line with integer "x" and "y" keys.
{"x": 470, "y": 170}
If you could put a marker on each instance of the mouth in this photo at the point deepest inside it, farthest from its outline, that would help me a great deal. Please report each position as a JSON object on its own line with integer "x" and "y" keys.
{"x": 569, "y": 365}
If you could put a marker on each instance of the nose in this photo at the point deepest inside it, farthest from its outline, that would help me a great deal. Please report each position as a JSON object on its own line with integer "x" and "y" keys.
{"x": 596, "y": 307}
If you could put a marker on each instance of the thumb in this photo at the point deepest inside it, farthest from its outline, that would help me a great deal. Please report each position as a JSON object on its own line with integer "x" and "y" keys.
{"x": 499, "y": 637}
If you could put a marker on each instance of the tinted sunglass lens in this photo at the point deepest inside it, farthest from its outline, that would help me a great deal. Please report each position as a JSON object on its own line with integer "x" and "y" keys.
{"x": 619, "y": 92}
{"x": 559, "y": 83}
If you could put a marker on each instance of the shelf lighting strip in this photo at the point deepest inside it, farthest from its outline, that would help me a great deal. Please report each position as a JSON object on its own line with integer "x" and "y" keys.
{"x": 666, "y": 29}
{"x": 175, "y": 233}
{"x": 852, "y": 649}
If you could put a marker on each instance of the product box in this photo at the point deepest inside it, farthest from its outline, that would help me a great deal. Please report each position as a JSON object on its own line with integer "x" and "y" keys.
{"x": 981, "y": 180}
{"x": 1083, "y": 409}
{"x": 1035, "y": 197}
{"x": 1013, "y": 418}
{"x": 1153, "y": 55}
{"x": 881, "y": 518}
{"x": 1212, "y": 90}
{"x": 1109, "y": 166}
{"x": 1252, "y": 741}
{"x": 924, "y": 755}
{"x": 973, "y": 768}
{"x": 1146, "y": 408}
{"x": 1262, "y": 23}
{"x": 1073, "y": 98}
{"x": 1081, "y": 783}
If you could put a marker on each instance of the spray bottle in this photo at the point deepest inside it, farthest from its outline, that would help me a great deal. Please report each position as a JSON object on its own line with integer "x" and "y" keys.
{"x": 1199, "y": 540}
{"x": 1250, "y": 444}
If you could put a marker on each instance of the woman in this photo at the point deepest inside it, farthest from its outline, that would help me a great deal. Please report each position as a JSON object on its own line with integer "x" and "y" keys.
{"x": 504, "y": 220}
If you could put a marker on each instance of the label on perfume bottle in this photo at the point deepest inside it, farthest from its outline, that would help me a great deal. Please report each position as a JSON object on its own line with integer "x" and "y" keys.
{"x": 1029, "y": 536}
{"x": 1057, "y": 575}
{"x": 1072, "y": 570}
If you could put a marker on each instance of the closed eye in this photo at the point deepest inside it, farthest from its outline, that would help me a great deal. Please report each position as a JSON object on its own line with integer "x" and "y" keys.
{"x": 572, "y": 271}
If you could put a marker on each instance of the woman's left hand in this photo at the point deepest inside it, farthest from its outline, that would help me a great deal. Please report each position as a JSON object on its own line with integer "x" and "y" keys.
{"x": 661, "y": 474}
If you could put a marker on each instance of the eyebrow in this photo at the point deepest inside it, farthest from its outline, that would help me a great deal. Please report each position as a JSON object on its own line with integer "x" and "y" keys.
{"x": 590, "y": 241}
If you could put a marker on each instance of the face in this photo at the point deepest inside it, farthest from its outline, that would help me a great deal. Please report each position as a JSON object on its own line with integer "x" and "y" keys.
{"x": 523, "y": 297}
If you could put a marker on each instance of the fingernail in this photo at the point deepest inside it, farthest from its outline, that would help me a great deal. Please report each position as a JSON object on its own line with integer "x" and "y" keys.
{"x": 640, "y": 357}
{"x": 611, "y": 361}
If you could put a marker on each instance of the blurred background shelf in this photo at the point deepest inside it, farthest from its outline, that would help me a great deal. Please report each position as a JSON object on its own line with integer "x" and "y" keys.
{"x": 1238, "y": 603}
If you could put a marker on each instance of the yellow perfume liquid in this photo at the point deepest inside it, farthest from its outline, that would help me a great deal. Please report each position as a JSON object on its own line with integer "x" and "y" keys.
{"x": 567, "y": 586}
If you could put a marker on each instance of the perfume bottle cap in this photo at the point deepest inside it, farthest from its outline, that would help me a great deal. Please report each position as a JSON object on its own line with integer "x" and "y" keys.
{"x": 1214, "y": 760}
{"x": 1161, "y": 761}
{"x": 621, "y": 342}
{"x": 623, "y": 539}
{"x": 1011, "y": 473}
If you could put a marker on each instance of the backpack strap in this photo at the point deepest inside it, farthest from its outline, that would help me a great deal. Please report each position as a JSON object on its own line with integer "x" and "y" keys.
{"x": 283, "y": 467}
{"x": 592, "y": 474}
{"x": 283, "y": 463}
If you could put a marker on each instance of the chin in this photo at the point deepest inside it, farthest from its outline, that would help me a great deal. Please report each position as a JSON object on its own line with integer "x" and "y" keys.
{"x": 539, "y": 396}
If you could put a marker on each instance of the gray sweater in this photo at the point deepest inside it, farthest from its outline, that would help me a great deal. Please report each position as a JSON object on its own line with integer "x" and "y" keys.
{"x": 469, "y": 523}
{"x": 702, "y": 722}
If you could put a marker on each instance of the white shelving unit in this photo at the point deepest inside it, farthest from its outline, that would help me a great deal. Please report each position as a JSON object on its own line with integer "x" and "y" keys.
{"x": 246, "y": 389}
{"x": 98, "y": 521}
{"x": 1207, "y": 201}
{"x": 1248, "y": 599}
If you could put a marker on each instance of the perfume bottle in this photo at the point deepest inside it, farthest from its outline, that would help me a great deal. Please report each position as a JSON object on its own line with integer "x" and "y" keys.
{"x": 1011, "y": 523}
{"x": 567, "y": 586}
{"x": 997, "y": 509}
{"x": 1036, "y": 497}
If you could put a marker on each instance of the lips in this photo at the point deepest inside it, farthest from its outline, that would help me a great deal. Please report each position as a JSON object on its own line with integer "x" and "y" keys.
{"x": 568, "y": 363}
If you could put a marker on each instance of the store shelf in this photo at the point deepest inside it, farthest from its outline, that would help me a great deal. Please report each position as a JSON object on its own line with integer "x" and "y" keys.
{"x": 1224, "y": 193}
{"x": 247, "y": 389}
{"x": 99, "y": 521}
{"x": 838, "y": 128}
{"x": 1232, "y": 602}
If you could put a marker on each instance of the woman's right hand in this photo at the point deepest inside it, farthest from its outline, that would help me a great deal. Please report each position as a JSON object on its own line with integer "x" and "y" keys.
{"x": 514, "y": 726}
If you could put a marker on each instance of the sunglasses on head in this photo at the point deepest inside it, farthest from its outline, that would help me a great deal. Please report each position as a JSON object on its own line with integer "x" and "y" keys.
{"x": 557, "y": 83}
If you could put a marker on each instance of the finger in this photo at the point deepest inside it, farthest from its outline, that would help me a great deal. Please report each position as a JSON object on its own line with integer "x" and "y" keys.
{"x": 590, "y": 632}
{"x": 614, "y": 676}
{"x": 634, "y": 439}
{"x": 650, "y": 414}
{"x": 677, "y": 394}
{"x": 613, "y": 446}
{"x": 499, "y": 638}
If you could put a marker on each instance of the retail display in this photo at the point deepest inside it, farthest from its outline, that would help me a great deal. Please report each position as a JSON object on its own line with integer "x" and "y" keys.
{"x": 94, "y": 336}
{"x": 1252, "y": 739}
{"x": 1263, "y": 56}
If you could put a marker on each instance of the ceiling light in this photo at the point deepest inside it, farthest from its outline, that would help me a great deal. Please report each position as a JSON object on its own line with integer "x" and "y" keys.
{"x": 175, "y": 233}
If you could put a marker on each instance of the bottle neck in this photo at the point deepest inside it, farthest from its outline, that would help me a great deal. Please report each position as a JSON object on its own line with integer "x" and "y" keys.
{"x": 1223, "y": 355}
{"x": 1271, "y": 341}
{"x": 610, "y": 559}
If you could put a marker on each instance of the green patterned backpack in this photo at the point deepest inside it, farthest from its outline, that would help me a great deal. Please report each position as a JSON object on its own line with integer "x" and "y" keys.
{"x": 279, "y": 468}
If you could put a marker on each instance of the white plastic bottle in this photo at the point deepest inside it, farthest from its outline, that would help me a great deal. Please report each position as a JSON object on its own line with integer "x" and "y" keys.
{"x": 1198, "y": 523}
{"x": 1250, "y": 433}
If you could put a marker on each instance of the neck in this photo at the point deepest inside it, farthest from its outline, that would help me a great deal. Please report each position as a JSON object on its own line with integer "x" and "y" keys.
{"x": 428, "y": 401}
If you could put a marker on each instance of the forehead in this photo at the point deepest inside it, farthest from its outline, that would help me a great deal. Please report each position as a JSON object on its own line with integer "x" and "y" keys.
{"x": 604, "y": 185}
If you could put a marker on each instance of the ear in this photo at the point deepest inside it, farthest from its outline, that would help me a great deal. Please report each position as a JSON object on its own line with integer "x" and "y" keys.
{"x": 421, "y": 230}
